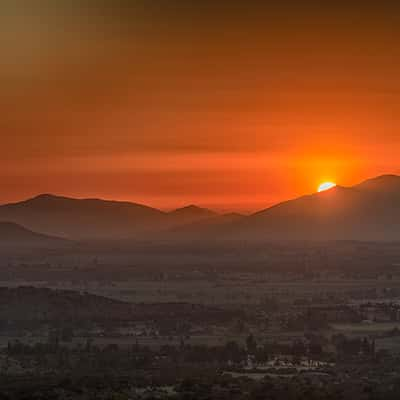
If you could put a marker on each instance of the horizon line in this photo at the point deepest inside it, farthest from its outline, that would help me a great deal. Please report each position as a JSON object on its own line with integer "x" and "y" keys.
{"x": 189, "y": 204}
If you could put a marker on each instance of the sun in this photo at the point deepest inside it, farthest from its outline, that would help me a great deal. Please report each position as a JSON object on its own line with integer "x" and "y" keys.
{"x": 326, "y": 186}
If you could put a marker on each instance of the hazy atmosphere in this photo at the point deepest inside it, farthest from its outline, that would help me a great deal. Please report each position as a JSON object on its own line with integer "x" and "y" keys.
{"x": 231, "y": 105}
{"x": 200, "y": 200}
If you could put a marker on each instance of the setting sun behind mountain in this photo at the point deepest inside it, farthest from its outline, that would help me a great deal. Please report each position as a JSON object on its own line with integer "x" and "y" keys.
{"x": 326, "y": 186}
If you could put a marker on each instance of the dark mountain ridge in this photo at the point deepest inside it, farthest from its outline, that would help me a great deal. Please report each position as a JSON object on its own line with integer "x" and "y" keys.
{"x": 367, "y": 211}
{"x": 81, "y": 218}
{"x": 95, "y": 218}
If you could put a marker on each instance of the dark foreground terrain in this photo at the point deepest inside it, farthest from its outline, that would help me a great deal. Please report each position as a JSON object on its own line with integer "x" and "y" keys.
{"x": 197, "y": 320}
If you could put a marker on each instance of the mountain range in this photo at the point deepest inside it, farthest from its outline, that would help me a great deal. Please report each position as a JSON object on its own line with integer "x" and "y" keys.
{"x": 80, "y": 219}
{"x": 367, "y": 211}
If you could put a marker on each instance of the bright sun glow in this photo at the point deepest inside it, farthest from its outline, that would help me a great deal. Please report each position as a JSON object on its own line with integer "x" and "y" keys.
{"x": 326, "y": 186}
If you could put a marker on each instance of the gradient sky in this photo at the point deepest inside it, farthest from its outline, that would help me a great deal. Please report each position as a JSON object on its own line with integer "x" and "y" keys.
{"x": 232, "y": 105}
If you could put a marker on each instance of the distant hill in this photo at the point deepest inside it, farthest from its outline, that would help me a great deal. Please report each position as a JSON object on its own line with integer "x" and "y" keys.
{"x": 42, "y": 304}
{"x": 206, "y": 226}
{"x": 81, "y": 219}
{"x": 49, "y": 306}
{"x": 368, "y": 211}
{"x": 96, "y": 218}
{"x": 14, "y": 234}
{"x": 190, "y": 214}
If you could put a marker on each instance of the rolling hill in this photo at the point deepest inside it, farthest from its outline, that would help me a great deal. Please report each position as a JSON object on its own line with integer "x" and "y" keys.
{"x": 14, "y": 234}
{"x": 96, "y": 219}
{"x": 367, "y": 211}
{"x": 190, "y": 214}
{"x": 48, "y": 306}
{"x": 81, "y": 219}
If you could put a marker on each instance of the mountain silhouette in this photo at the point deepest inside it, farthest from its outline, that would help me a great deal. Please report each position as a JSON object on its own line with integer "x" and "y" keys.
{"x": 190, "y": 214}
{"x": 96, "y": 219}
{"x": 11, "y": 233}
{"x": 206, "y": 226}
{"x": 367, "y": 211}
{"x": 80, "y": 219}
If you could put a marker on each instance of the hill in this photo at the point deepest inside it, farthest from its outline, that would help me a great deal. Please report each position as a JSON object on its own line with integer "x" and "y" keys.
{"x": 206, "y": 227}
{"x": 14, "y": 234}
{"x": 45, "y": 305}
{"x": 190, "y": 214}
{"x": 367, "y": 211}
{"x": 81, "y": 219}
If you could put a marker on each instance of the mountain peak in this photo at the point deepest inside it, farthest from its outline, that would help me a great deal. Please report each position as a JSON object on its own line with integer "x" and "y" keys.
{"x": 192, "y": 209}
{"x": 381, "y": 183}
{"x": 45, "y": 197}
{"x": 81, "y": 218}
{"x": 190, "y": 214}
{"x": 335, "y": 189}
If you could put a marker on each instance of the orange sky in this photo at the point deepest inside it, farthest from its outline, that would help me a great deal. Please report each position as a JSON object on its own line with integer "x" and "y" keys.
{"x": 235, "y": 106}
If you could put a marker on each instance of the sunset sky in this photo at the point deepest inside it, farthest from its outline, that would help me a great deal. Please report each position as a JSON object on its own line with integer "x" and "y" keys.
{"x": 233, "y": 105}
